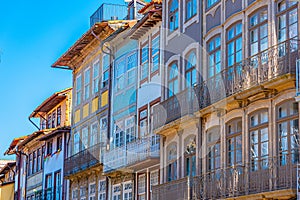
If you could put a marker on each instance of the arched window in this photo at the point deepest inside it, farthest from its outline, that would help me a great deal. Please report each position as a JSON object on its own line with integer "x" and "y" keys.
{"x": 173, "y": 15}
{"x": 190, "y": 70}
{"x": 173, "y": 80}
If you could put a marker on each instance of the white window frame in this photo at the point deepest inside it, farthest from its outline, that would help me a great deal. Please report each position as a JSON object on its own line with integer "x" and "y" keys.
{"x": 130, "y": 126}
{"x": 92, "y": 196}
{"x": 82, "y": 194}
{"x": 127, "y": 191}
{"x": 87, "y": 83}
{"x": 96, "y": 77}
{"x": 141, "y": 185}
{"x": 78, "y": 89}
{"x": 105, "y": 69}
{"x": 103, "y": 131}
{"x": 85, "y": 136}
{"x": 76, "y": 150}
{"x": 75, "y": 194}
{"x": 101, "y": 192}
{"x": 94, "y": 135}
{"x": 152, "y": 179}
{"x": 117, "y": 193}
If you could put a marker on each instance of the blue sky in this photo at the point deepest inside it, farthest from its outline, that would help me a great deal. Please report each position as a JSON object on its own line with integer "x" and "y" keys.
{"x": 33, "y": 34}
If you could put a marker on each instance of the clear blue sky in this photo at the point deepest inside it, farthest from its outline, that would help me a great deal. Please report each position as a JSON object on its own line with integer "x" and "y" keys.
{"x": 33, "y": 34}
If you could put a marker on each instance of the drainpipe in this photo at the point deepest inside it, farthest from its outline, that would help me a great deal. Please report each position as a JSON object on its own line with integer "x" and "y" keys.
{"x": 24, "y": 171}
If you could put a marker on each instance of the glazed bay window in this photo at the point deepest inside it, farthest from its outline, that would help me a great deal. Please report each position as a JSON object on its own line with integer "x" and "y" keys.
{"x": 234, "y": 142}
{"x": 259, "y": 36}
{"x": 288, "y": 132}
{"x": 144, "y": 62}
{"x": 172, "y": 163}
{"x": 102, "y": 190}
{"x": 58, "y": 119}
{"x": 78, "y": 90}
{"x": 49, "y": 121}
{"x": 86, "y": 84}
{"x": 190, "y": 8}
{"x": 53, "y": 119}
{"x": 190, "y": 70}
{"x": 287, "y": 17}
{"x": 173, "y": 15}
{"x": 76, "y": 143}
{"x": 103, "y": 130}
{"x": 213, "y": 157}
{"x": 119, "y": 137}
{"x": 155, "y": 53}
{"x": 259, "y": 140}
{"x": 129, "y": 129}
{"x": 105, "y": 70}
{"x": 173, "y": 86}
{"x": 85, "y": 138}
{"x": 127, "y": 191}
{"x": 96, "y": 67}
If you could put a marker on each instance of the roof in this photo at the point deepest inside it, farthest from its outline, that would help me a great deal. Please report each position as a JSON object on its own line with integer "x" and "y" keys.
{"x": 3, "y": 163}
{"x": 102, "y": 28}
{"x": 13, "y": 144}
{"x": 146, "y": 23}
{"x": 55, "y": 132}
{"x": 148, "y": 5}
{"x": 30, "y": 138}
{"x": 50, "y": 103}
{"x": 7, "y": 167}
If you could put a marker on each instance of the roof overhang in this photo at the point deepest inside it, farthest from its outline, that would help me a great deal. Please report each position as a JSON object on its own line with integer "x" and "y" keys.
{"x": 55, "y": 132}
{"x": 7, "y": 167}
{"x": 13, "y": 144}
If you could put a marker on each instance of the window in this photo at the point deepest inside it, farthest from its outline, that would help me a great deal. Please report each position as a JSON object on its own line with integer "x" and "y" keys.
{"x": 173, "y": 80}
{"x": 210, "y": 3}
{"x": 173, "y": 15}
{"x": 76, "y": 142}
{"x": 127, "y": 191}
{"x": 287, "y": 17}
{"x": 48, "y": 187}
{"x": 259, "y": 35}
{"x": 214, "y": 53}
{"x": 131, "y": 64}
{"x": 154, "y": 179}
{"x": 87, "y": 84}
{"x": 58, "y": 120}
{"x": 129, "y": 128}
{"x": 49, "y": 147}
{"x": 59, "y": 143}
{"x": 234, "y": 45}
{"x": 29, "y": 170}
{"x": 53, "y": 119}
{"x": 190, "y": 157}
{"x": 96, "y": 67}
{"x": 155, "y": 52}
{"x": 213, "y": 150}
{"x": 103, "y": 130}
{"x": 78, "y": 90}
{"x": 85, "y": 138}
{"x": 143, "y": 123}
{"x": 288, "y": 132}
{"x": 144, "y": 62}
{"x": 120, "y": 70}
{"x": 82, "y": 193}
{"x": 34, "y": 163}
{"x": 94, "y": 134}
{"x": 74, "y": 194}
{"x": 105, "y": 70}
{"x": 43, "y": 123}
{"x": 190, "y": 70}
{"x": 57, "y": 186}
{"x": 49, "y": 123}
{"x": 92, "y": 191}
{"x": 172, "y": 163}
{"x": 259, "y": 140}
{"x": 234, "y": 142}
{"x": 39, "y": 159}
{"x": 116, "y": 195}
{"x": 119, "y": 136}
{"x": 191, "y": 9}
{"x": 43, "y": 156}
{"x": 102, "y": 190}
{"x": 141, "y": 186}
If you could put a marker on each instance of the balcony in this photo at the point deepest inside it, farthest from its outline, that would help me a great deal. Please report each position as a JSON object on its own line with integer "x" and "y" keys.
{"x": 241, "y": 181}
{"x": 134, "y": 156}
{"x": 262, "y": 71}
{"x": 83, "y": 160}
{"x": 175, "y": 107}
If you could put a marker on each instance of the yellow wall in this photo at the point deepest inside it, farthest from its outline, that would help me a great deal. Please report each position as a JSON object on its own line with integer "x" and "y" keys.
{"x": 104, "y": 98}
{"x": 95, "y": 104}
{"x": 77, "y": 116}
{"x": 85, "y": 112}
{"x": 7, "y": 192}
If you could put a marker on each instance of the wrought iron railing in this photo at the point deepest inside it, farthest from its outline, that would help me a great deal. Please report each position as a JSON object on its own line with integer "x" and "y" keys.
{"x": 254, "y": 71}
{"x": 84, "y": 159}
{"x": 130, "y": 154}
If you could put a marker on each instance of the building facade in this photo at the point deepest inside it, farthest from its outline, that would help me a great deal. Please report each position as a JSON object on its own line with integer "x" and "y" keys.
{"x": 7, "y": 180}
{"x": 242, "y": 116}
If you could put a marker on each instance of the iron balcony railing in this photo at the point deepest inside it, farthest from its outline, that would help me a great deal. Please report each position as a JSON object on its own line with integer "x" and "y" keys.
{"x": 84, "y": 159}
{"x": 130, "y": 154}
{"x": 254, "y": 71}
